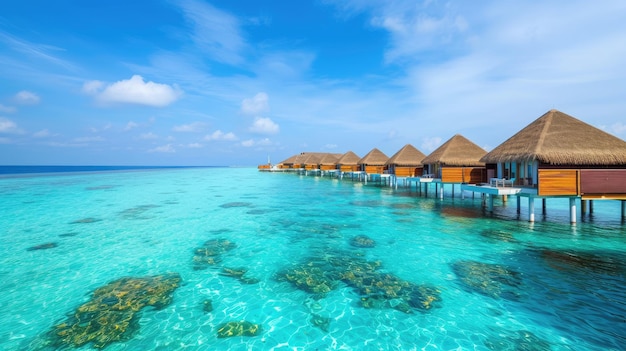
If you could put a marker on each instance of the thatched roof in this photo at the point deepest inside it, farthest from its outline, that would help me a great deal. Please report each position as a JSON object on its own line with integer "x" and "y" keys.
{"x": 291, "y": 160}
{"x": 329, "y": 159}
{"x": 407, "y": 156}
{"x": 559, "y": 139}
{"x": 304, "y": 158}
{"x": 348, "y": 159}
{"x": 312, "y": 158}
{"x": 457, "y": 151}
{"x": 374, "y": 158}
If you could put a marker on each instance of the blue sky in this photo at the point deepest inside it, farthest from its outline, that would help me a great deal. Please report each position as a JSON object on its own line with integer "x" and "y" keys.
{"x": 193, "y": 82}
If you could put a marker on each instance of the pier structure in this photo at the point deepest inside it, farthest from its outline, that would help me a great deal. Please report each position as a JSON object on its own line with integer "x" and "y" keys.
{"x": 556, "y": 156}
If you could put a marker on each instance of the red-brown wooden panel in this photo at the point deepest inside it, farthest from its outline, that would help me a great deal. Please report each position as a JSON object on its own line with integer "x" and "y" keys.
{"x": 602, "y": 181}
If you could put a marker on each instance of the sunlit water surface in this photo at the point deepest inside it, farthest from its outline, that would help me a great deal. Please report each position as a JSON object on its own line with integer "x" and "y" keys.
{"x": 494, "y": 282}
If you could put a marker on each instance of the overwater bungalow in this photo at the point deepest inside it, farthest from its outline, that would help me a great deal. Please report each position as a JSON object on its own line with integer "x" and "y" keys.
{"x": 328, "y": 162}
{"x": 302, "y": 161}
{"x": 456, "y": 161}
{"x": 312, "y": 160}
{"x": 373, "y": 162}
{"x": 293, "y": 162}
{"x": 407, "y": 162}
{"x": 348, "y": 162}
{"x": 557, "y": 155}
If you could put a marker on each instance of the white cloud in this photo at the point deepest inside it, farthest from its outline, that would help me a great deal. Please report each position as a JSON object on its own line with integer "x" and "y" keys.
{"x": 256, "y": 105}
{"x": 93, "y": 87}
{"x": 7, "y": 109}
{"x": 264, "y": 126}
{"x": 219, "y": 135}
{"x": 215, "y": 32}
{"x": 191, "y": 127}
{"x": 133, "y": 91}
{"x": 97, "y": 130}
{"x": 26, "y": 98}
{"x": 130, "y": 125}
{"x": 330, "y": 146}
{"x": 430, "y": 144}
{"x": 194, "y": 146}
{"x": 148, "y": 136}
{"x": 261, "y": 142}
{"x": 88, "y": 139}
{"x": 164, "y": 148}
{"x": 42, "y": 133}
{"x": 8, "y": 126}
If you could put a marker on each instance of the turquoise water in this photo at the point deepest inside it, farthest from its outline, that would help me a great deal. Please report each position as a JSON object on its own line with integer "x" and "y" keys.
{"x": 495, "y": 282}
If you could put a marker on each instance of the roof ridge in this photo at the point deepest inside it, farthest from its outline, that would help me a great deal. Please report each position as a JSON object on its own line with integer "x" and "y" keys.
{"x": 544, "y": 131}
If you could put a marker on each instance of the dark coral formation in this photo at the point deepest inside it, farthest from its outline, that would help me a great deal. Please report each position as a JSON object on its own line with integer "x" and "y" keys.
{"x": 42, "y": 246}
{"x": 521, "y": 340}
{"x": 601, "y": 262}
{"x": 377, "y": 289}
{"x": 362, "y": 241}
{"x": 85, "y": 220}
{"x": 500, "y": 235}
{"x": 236, "y": 204}
{"x": 239, "y": 328}
{"x": 239, "y": 274}
{"x": 210, "y": 253}
{"x": 138, "y": 212}
{"x": 321, "y": 322}
{"x": 489, "y": 279}
{"x": 207, "y": 306}
{"x": 111, "y": 314}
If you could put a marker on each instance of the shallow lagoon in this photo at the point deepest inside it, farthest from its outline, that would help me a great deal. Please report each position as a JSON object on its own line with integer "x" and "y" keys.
{"x": 493, "y": 282}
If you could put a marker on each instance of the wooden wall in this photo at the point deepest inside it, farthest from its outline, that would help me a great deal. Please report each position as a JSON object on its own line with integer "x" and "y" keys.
{"x": 374, "y": 169}
{"x": 475, "y": 175}
{"x": 452, "y": 174}
{"x": 348, "y": 168}
{"x": 327, "y": 167}
{"x": 471, "y": 175}
{"x": 408, "y": 171}
{"x": 602, "y": 181}
{"x": 554, "y": 182}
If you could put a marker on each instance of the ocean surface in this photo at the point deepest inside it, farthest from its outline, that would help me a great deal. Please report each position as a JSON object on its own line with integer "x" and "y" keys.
{"x": 189, "y": 259}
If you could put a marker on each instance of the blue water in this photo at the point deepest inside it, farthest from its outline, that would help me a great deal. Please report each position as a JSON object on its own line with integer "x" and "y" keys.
{"x": 495, "y": 282}
{"x": 6, "y": 171}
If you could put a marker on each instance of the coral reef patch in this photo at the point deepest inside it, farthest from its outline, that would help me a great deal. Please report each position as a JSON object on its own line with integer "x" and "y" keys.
{"x": 112, "y": 313}
{"x": 377, "y": 289}
{"x": 210, "y": 253}
{"x": 238, "y": 328}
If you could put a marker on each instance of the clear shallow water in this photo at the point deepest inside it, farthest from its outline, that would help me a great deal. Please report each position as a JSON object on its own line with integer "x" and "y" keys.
{"x": 502, "y": 284}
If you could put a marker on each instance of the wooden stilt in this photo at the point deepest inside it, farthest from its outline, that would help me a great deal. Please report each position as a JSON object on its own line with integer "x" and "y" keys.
{"x": 505, "y": 198}
{"x": 491, "y": 197}
{"x": 519, "y": 202}
{"x": 572, "y": 210}
{"x": 583, "y": 207}
{"x": 543, "y": 206}
{"x": 441, "y": 191}
{"x": 590, "y": 206}
{"x": 623, "y": 209}
{"x": 531, "y": 209}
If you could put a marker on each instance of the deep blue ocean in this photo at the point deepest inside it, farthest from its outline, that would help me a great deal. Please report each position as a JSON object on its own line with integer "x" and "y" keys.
{"x": 16, "y": 170}
{"x": 221, "y": 258}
